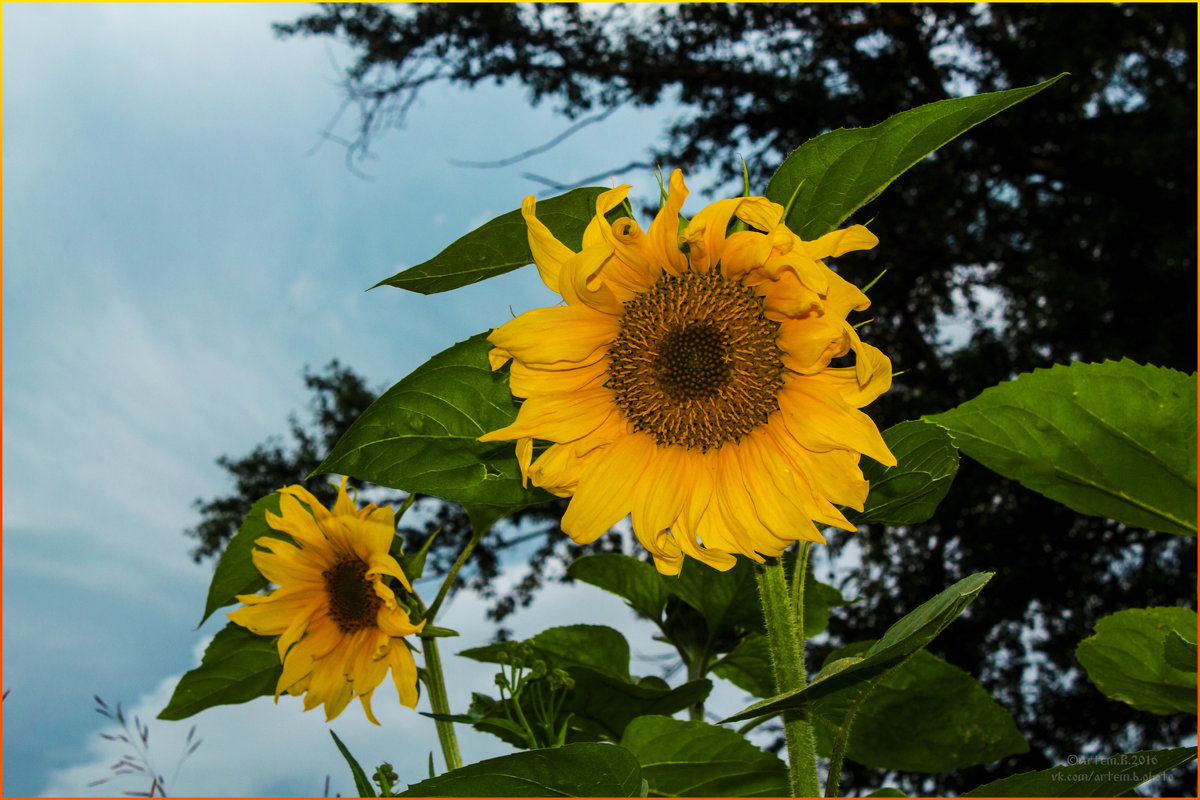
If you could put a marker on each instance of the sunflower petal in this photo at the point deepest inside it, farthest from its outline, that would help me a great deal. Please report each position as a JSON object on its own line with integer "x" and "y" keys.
{"x": 549, "y": 253}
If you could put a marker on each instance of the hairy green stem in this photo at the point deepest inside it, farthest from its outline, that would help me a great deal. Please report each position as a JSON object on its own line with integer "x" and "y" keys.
{"x": 835, "y": 764}
{"x": 439, "y": 703}
{"x": 786, "y": 641}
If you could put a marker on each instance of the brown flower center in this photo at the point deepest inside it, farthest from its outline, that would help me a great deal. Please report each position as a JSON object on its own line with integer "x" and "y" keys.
{"x": 353, "y": 603}
{"x": 695, "y": 362}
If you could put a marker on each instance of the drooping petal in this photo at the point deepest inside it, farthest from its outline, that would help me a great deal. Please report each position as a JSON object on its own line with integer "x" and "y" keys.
{"x": 861, "y": 384}
{"x": 548, "y": 252}
{"x": 821, "y": 420}
{"x": 606, "y": 489}
{"x": 836, "y": 243}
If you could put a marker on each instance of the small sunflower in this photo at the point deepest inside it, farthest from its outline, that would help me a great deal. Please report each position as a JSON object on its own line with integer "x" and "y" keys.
{"x": 339, "y": 626}
{"x": 687, "y": 381}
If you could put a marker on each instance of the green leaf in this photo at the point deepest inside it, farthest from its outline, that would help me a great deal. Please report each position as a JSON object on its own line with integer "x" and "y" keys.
{"x": 597, "y": 647}
{"x": 235, "y": 573}
{"x": 638, "y": 582}
{"x": 926, "y": 716}
{"x": 500, "y": 246}
{"x": 413, "y": 564}
{"x": 835, "y": 174}
{"x": 887, "y": 791}
{"x": 360, "y": 778}
{"x": 1180, "y": 653}
{"x": 728, "y": 600}
{"x": 1126, "y": 659}
{"x": 910, "y": 491}
{"x": 748, "y": 666}
{"x": 237, "y": 666}
{"x": 912, "y": 632}
{"x": 1110, "y": 777}
{"x": 695, "y": 759}
{"x": 1114, "y": 440}
{"x": 610, "y": 704}
{"x": 420, "y": 436}
{"x": 585, "y": 769}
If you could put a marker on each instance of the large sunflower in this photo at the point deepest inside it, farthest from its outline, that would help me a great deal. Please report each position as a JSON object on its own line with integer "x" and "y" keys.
{"x": 339, "y": 626}
{"x": 686, "y": 382}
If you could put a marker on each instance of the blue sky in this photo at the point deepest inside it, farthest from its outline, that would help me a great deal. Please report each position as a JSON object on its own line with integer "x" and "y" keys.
{"x": 175, "y": 252}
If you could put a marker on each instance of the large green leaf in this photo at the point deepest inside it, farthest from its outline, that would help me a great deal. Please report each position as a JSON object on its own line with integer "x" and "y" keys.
{"x": 855, "y": 675}
{"x": 235, "y": 573}
{"x": 574, "y": 770}
{"x": 1126, "y": 659}
{"x": 728, "y": 599}
{"x": 1108, "y": 777}
{"x": 695, "y": 759}
{"x": 748, "y": 666}
{"x": 597, "y": 647}
{"x": 420, "y": 436}
{"x": 1115, "y": 440}
{"x": 909, "y": 492}
{"x": 638, "y": 582}
{"x": 499, "y": 246}
{"x": 237, "y": 666}
{"x": 608, "y": 704}
{"x": 924, "y": 716}
{"x": 838, "y": 172}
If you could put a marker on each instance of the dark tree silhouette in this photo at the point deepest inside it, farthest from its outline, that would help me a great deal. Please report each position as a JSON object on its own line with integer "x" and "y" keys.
{"x": 1064, "y": 229}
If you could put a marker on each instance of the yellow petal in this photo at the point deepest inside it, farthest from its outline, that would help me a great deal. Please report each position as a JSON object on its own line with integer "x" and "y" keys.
{"x": 663, "y": 237}
{"x": 788, "y": 298}
{"x": 809, "y": 344}
{"x": 835, "y": 243}
{"x": 820, "y": 420}
{"x": 558, "y": 334}
{"x": 777, "y": 487}
{"x": 827, "y": 478}
{"x": 559, "y": 468}
{"x": 606, "y": 489}
{"x": 606, "y": 202}
{"x": 583, "y": 281}
{"x": 527, "y": 380}
{"x": 404, "y": 674}
{"x": 761, "y": 213}
{"x": 662, "y": 491}
{"x": 861, "y": 384}
{"x": 559, "y": 417}
{"x": 843, "y": 297}
{"x": 549, "y": 253}
{"x": 705, "y": 233}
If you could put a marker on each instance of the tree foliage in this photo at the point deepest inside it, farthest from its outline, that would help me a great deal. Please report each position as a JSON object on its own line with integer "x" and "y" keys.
{"x": 1062, "y": 231}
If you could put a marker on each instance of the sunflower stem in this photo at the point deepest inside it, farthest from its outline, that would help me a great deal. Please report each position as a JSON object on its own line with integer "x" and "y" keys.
{"x": 439, "y": 703}
{"x": 453, "y": 573}
{"x": 786, "y": 640}
{"x": 434, "y": 679}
